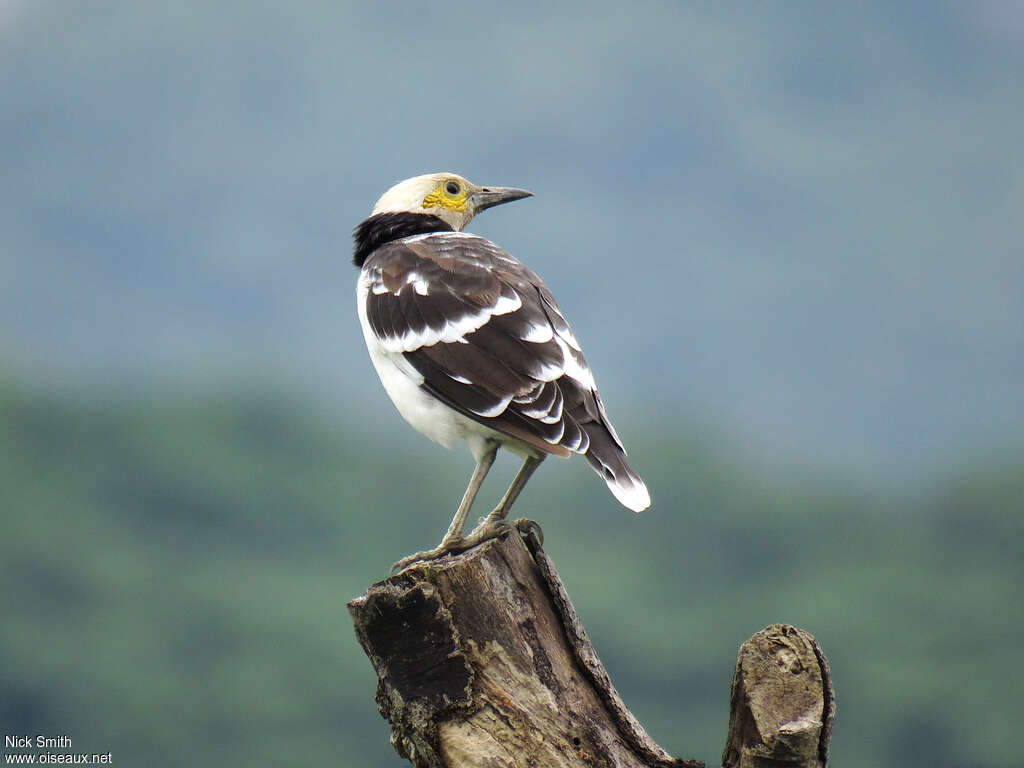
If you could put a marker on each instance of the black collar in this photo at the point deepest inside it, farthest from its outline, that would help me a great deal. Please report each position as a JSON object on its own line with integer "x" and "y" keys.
{"x": 385, "y": 227}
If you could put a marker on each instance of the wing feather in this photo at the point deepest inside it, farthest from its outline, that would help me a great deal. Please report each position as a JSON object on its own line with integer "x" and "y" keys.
{"x": 488, "y": 338}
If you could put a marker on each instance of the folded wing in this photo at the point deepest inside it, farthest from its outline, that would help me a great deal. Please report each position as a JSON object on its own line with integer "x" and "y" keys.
{"x": 489, "y": 340}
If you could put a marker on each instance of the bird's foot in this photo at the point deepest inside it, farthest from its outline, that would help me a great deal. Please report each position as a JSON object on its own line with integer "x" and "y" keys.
{"x": 489, "y": 528}
{"x": 447, "y": 547}
{"x": 526, "y": 526}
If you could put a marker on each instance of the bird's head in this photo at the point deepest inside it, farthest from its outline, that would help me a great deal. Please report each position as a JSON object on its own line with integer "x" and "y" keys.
{"x": 448, "y": 196}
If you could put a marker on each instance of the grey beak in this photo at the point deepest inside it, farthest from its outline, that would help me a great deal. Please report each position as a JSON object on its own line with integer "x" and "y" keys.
{"x": 488, "y": 197}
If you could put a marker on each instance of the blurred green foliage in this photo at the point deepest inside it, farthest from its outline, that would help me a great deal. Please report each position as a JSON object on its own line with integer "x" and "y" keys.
{"x": 175, "y": 576}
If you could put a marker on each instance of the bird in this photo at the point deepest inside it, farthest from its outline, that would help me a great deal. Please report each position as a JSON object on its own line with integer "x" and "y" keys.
{"x": 471, "y": 345}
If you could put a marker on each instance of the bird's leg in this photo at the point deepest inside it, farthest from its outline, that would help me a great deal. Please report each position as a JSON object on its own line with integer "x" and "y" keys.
{"x": 495, "y": 523}
{"x": 452, "y": 540}
{"x": 518, "y": 483}
{"x": 458, "y": 524}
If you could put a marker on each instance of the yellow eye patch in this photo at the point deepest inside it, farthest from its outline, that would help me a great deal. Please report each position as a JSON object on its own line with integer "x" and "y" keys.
{"x": 441, "y": 197}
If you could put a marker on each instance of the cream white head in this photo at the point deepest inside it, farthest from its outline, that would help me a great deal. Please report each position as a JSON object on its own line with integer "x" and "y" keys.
{"x": 448, "y": 196}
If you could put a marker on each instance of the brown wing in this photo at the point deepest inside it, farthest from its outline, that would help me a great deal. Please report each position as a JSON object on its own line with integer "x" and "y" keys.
{"x": 490, "y": 342}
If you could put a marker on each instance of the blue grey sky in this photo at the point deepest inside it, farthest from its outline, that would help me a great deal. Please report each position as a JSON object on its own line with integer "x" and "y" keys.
{"x": 796, "y": 221}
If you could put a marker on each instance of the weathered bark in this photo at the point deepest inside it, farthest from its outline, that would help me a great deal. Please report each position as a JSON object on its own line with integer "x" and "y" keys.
{"x": 482, "y": 661}
{"x": 782, "y": 703}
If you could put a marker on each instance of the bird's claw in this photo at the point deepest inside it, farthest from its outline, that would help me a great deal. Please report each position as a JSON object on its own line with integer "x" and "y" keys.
{"x": 452, "y": 546}
{"x": 489, "y": 528}
{"x": 526, "y": 526}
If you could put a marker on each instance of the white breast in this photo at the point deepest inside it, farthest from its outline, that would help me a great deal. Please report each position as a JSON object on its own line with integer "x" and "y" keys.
{"x": 424, "y": 413}
{"x": 402, "y": 383}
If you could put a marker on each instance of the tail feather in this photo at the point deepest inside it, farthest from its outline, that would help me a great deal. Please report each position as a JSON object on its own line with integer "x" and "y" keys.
{"x": 608, "y": 459}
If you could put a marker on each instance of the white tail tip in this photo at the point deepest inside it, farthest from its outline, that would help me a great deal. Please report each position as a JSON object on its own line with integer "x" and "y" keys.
{"x": 631, "y": 492}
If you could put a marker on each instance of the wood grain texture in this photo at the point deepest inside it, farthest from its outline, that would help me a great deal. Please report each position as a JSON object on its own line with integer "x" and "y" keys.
{"x": 782, "y": 703}
{"x": 481, "y": 661}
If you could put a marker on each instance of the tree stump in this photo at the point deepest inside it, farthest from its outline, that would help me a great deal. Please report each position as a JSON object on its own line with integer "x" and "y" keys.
{"x": 482, "y": 661}
{"x": 782, "y": 703}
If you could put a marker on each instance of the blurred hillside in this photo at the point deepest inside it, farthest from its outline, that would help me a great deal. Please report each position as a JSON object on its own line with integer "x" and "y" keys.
{"x": 801, "y": 220}
{"x": 175, "y": 576}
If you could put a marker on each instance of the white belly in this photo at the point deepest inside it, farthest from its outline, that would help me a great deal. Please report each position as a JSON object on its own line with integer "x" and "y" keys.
{"x": 422, "y": 411}
{"x": 402, "y": 383}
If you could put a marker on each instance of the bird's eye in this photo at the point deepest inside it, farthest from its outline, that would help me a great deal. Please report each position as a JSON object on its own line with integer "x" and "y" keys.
{"x": 452, "y": 188}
